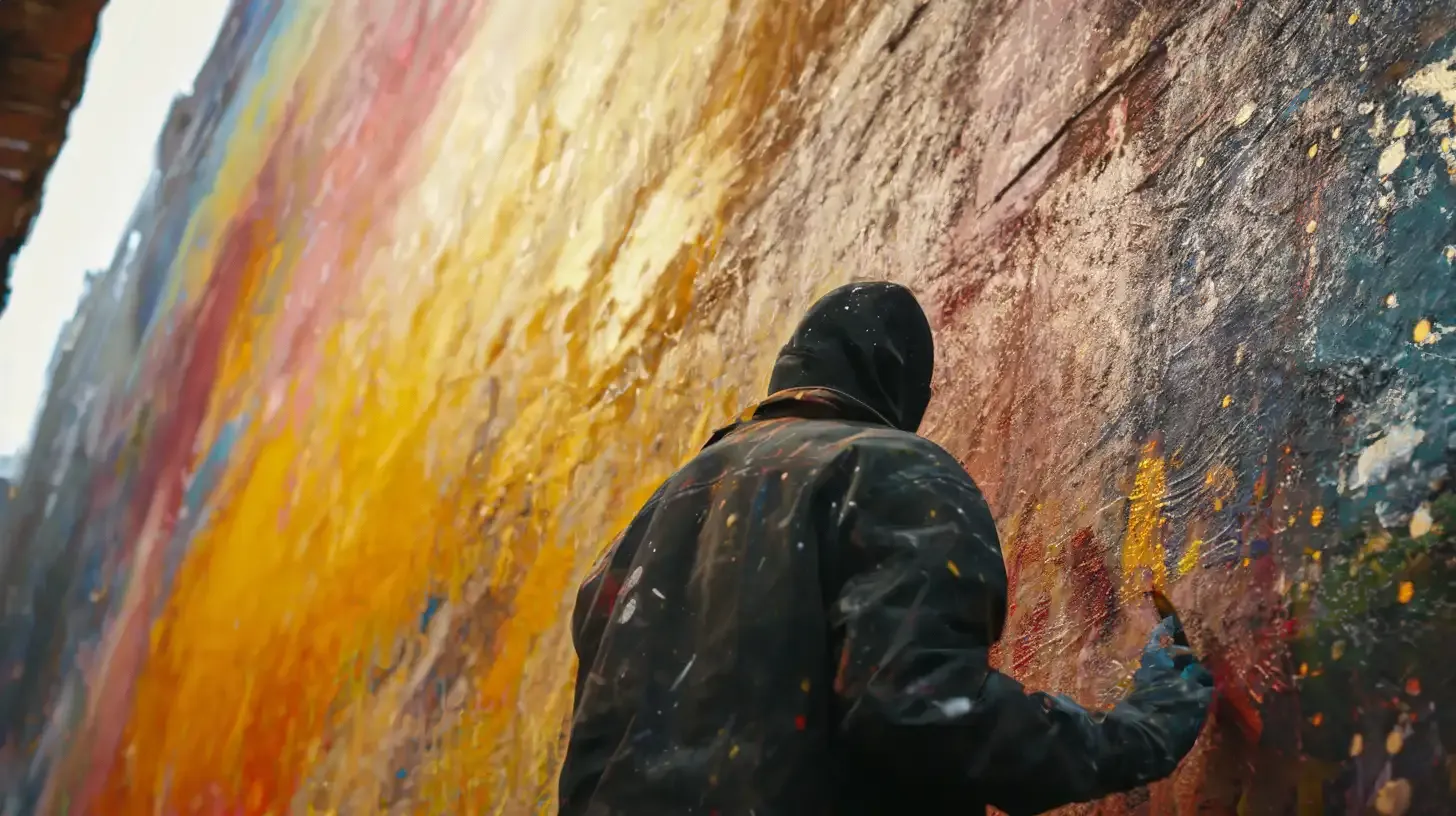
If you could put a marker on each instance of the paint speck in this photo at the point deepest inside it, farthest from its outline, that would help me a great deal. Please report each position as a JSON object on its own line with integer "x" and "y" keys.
{"x": 954, "y": 707}
{"x": 1316, "y": 516}
{"x": 632, "y": 580}
{"x": 1394, "y": 798}
{"x": 1317, "y": 720}
{"x": 682, "y": 675}
{"x": 1311, "y": 227}
{"x": 1366, "y": 108}
{"x": 1357, "y": 745}
{"x": 1394, "y": 742}
{"x": 1245, "y": 114}
{"x": 1413, "y": 687}
{"x": 1314, "y": 150}
{"x": 1200, "y": 161}
{"x": 628, "y": 610}
{"x": 732, "y": 519}
{"x": 1304, "y": 671}
{"x": 1337, "y": 650}
{"x": 1335, "y": 134}
{"x": 1421, "y": 521}
{"x": 1403, "y": 128}
{"x": 733, "y": 752}
{"x": 658, "y": 593}
{"x": 954, "y": 570}
{"x": 1451, "y": 254}
{"x": 1354, "y": 17}
{"x": 800, "y": 723}
{"x": 1391, "y": 301}
{"x": 1228, "y": 399}
{"x": 1422, "y": 333}
{"x": 1377, "y": 128}
{"x": 1385, "y": 201}
{"x": 1406, "y": 591}
{"x": 1391, "y": 157}
{"x": 804, "y": 685}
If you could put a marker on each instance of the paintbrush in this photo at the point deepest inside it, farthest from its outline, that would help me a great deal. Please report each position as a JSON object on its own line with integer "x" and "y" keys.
{"x": 1167, "y": 610}
{"x": 1234, "y": 700}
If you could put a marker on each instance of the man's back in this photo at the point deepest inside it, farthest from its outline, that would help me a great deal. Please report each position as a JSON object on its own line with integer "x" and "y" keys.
{"x": 799, "y": 620}
{"x": 709, "y": 628}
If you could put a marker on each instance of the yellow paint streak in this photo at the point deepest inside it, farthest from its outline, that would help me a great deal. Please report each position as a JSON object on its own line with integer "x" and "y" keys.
{"x": 538, "y": 278}
{"x": 1189, "y": 560}
{"x": 1142, "y": 544}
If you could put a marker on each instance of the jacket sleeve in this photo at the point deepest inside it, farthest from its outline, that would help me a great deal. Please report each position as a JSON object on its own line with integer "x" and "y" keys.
{"x": 921, "y": 600}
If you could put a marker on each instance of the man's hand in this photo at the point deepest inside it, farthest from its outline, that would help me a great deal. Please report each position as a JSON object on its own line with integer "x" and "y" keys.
{"x": 1167, "y": 649}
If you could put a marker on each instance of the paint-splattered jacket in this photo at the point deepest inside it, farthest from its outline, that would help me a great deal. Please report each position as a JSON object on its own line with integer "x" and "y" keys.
{"x": 798, "y": 623}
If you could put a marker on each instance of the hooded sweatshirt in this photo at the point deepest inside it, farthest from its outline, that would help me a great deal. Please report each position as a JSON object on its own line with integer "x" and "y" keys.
{"x": 799, "y": 620}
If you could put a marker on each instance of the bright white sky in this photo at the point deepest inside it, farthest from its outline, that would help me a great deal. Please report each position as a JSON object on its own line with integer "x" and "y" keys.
{"x": 149, "y": 51}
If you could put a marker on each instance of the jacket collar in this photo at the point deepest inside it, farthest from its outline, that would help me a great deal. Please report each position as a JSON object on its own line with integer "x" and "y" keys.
{"x": 805, "y": 403}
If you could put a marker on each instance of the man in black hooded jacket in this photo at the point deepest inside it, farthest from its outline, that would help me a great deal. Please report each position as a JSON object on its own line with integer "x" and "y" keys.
{"x": 798, "y": 621}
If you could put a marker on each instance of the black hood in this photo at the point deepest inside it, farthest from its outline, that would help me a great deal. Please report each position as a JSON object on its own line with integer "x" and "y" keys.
{"x": 868, "y": 341}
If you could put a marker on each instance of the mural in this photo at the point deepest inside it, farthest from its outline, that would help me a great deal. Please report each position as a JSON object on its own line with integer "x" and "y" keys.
{"x": 428, "y": 296}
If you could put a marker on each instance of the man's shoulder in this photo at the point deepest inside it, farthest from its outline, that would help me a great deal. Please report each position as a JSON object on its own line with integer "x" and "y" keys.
{"x": 803, "y": 437}
{"x": 799, "y": 443}
{"x": 897, "y": 444}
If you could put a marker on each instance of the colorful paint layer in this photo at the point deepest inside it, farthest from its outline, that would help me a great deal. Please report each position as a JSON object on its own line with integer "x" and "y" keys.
{"x": 430, "y": 296}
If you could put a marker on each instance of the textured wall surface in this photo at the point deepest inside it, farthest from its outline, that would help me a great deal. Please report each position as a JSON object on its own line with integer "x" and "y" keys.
{"x": 429, "y": 296}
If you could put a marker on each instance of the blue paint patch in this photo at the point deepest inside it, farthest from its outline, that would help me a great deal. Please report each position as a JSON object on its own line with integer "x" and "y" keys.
{"x": 1295, "y": 104}
{"x": 205, "y": 479}
{"x": 432, "y": 606}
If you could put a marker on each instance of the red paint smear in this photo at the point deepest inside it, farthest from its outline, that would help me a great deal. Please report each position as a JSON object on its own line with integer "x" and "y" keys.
{"x": 195, "y": 362}
{"x": 1234, "y": 701}
{"x": 1094, "y": 596}
{"x": 1030, "y": 643}
{"x": 415, "y": 53}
